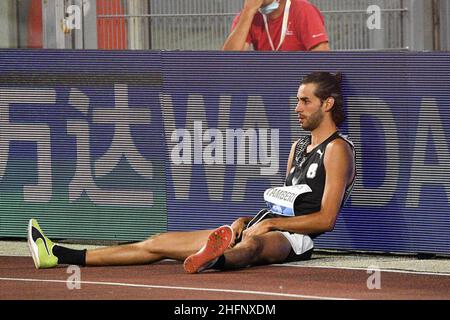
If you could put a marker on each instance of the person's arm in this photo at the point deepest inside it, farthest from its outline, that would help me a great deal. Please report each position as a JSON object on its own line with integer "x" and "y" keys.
{"x": 237, "y": 40}
{"x": 339, "y": 165}
{"x": 291, "y": 158}
{"x": 311, "y": 28}
{"x": 324, "y": 46}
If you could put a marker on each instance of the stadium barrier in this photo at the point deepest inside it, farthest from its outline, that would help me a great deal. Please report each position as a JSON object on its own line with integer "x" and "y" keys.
{"x": 122, "y": 145}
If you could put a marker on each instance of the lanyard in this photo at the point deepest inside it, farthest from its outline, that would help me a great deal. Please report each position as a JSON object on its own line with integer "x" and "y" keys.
{"x": 283, "y": 28}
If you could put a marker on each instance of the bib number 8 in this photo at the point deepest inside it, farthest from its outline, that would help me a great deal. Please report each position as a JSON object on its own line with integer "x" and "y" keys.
{"x": 311, "y": 174}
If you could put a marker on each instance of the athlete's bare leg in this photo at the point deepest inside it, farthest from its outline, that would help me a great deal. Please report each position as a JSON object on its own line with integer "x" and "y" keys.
{"x": 272, "y": 247}
{"x": 269, "y": 248}
{"x": 171, "y": 245}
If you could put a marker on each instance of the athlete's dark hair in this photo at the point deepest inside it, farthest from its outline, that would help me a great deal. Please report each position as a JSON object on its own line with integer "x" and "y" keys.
{"x": 329, "y": 85}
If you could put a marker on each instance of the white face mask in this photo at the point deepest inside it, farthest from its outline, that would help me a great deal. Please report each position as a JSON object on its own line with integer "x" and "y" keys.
{"x": 270, "y": 7}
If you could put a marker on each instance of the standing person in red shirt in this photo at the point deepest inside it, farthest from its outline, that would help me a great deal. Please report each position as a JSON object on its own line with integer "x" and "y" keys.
{"x": 278, "y": 25}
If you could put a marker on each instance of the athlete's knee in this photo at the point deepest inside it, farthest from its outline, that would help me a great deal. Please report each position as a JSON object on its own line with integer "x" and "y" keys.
{"x": 150, "y": 243}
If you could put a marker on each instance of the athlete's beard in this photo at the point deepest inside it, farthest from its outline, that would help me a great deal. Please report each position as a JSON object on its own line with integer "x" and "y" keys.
{"x": 313, "y": 121}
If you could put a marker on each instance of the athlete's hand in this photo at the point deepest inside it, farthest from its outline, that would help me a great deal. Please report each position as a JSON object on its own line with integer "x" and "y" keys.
{"x": 238, "y": 227}
{"x": 257, "y": 229}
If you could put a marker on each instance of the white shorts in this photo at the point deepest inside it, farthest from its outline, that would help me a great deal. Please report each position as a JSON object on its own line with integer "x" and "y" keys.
{"x": 299, "y": 242}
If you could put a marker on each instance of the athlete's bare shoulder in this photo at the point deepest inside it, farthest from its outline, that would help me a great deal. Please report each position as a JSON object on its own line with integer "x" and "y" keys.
{"x": 340, "y": 146}
{"x": 340, "y": 153}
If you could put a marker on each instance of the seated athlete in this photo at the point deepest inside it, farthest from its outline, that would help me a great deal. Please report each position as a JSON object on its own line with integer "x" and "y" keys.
{"x": 324, "y": 161}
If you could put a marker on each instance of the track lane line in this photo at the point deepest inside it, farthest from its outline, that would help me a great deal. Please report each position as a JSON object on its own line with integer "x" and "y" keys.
{"x": 120, "y": 284}
{"x": 365, "y": 269}
{"x": 320, "y": 267}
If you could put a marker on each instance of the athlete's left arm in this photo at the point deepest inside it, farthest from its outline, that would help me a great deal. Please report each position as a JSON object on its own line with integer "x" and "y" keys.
{"x": 339, "y": 166}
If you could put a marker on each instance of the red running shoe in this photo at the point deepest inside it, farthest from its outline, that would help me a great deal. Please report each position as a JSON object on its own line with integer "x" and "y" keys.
{"x": 218, "y": 241}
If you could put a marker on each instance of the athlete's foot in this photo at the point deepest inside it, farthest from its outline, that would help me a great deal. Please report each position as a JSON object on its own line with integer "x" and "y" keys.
{"x": 218, "y": 241}
{"x": 40, "y": 247}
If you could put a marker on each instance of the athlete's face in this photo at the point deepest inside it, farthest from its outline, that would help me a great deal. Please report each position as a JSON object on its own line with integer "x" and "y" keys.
{"x": 309, "y": 107}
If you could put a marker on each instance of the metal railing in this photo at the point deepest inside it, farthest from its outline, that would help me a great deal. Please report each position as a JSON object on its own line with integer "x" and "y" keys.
{"x": 205, "y": 24}
{"x": 346, "y": 22}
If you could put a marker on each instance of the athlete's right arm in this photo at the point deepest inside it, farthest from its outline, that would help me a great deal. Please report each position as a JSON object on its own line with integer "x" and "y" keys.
{"x": 291, "y": 158}
{"x": 237, "y": 40}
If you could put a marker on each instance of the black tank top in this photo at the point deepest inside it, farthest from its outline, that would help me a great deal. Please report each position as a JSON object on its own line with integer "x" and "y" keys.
{"x": 308, "y": 168}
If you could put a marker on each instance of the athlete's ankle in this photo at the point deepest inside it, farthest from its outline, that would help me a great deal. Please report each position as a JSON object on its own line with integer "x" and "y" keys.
{"x": 70, "y": 256}
{"x": 219, "y": 264}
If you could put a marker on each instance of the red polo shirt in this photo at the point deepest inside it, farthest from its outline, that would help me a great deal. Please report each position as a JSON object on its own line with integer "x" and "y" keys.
{"x": 306, "y": 29}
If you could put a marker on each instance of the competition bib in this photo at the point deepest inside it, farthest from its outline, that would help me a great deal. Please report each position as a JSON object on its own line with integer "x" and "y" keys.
{"x": 281, "y": 200}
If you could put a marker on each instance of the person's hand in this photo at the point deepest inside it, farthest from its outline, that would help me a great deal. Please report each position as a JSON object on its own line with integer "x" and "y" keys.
{"x": 238, "y": 227}
{"x": 257, "y": 229}
{"x": 255, "y": 4}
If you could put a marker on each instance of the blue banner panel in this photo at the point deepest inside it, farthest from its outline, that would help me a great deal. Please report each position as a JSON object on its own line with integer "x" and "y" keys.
{"x": 80, "y": 144}
{"x": 397, "y": 107}
{"x": 121, "y": 145}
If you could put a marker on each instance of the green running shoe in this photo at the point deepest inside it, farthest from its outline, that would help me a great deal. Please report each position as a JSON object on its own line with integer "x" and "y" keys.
{"x": 40, "y": 247}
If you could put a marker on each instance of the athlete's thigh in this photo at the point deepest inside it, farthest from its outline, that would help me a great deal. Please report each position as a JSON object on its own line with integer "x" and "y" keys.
{"x": 275, "y": 248}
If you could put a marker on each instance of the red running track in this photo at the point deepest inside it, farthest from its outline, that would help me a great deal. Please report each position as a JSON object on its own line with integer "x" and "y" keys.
{"x": 168, "y": 281}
